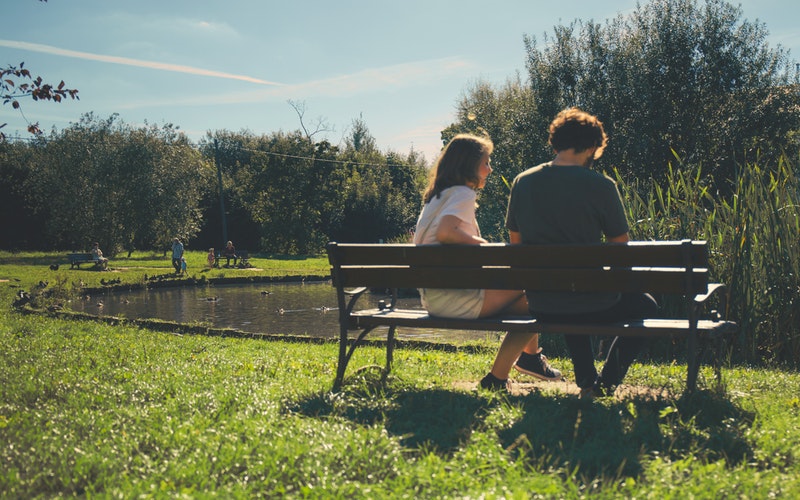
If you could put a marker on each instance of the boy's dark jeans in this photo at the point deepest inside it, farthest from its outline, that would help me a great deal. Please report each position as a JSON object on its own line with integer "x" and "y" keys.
{"x": 623, "y": 350}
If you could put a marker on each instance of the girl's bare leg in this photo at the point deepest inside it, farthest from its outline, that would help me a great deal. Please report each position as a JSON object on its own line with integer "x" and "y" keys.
{"x": 509, "y": 302}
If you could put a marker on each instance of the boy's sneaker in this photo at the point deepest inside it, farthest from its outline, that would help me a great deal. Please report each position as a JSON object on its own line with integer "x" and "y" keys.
{"x": 492, "y": 383}
{"x": 536, "y": 365}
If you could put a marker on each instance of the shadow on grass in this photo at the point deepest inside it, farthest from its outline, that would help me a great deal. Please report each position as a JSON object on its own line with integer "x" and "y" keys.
{"x": 597, "y": 440}
{"x": 435, "y": 419}
{"x": 612, "y": 437}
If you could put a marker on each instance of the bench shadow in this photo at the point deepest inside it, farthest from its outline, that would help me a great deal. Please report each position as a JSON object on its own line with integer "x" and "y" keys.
{"x": 613, "y": 437}
{"x": 592, "y": 439}
{"x": 437, "y": 419}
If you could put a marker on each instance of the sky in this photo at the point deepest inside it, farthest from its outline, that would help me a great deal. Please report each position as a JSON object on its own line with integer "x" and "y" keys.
{"x": 204, "y": 65}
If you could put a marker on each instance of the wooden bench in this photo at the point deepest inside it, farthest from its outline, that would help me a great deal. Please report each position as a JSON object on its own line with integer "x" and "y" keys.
{"x": 76, "y": 259}
{"x": 667, "y": 267}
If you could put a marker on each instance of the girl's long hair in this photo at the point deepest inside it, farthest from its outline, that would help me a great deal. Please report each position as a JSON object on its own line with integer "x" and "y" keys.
{"x": 458, "y": 164}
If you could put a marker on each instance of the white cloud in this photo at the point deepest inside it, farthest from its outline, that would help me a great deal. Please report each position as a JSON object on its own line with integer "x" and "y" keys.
{"x": 49, "y": 49}
{"x": 387, "y": 78}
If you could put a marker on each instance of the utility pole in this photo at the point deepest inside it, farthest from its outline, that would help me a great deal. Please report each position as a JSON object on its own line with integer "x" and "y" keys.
{"x": 221, "y": 195}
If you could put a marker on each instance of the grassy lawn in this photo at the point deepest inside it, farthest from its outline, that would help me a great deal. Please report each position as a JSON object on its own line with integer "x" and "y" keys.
{"x": 93, "y": 410}
{"x": 29, "y": 268}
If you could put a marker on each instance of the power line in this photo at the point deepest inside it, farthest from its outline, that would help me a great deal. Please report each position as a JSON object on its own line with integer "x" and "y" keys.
{"x": 250, "y": 150}
{"x": 313, "y": 158}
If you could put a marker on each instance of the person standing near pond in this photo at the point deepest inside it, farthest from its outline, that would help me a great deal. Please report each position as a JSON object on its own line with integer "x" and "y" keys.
{"x": 564, "y": 201}
{"x": 177, "y": 254}
{"x": 448, "y": 217}
{"x": 211, "y": 258}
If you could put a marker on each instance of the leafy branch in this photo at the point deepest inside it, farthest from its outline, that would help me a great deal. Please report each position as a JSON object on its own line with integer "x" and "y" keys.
{"x": 17, "y": 83}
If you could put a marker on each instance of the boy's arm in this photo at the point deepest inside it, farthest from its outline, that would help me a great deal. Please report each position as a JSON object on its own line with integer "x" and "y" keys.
{"x": 622, "y": 238}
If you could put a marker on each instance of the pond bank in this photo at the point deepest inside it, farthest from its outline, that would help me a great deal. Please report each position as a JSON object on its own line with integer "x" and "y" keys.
{"x": 200, "y": 327}
{"x": 168, "y": 280}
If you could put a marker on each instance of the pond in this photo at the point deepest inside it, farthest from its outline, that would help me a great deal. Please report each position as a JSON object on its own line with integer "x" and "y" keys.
{"x": 274, "y": 308}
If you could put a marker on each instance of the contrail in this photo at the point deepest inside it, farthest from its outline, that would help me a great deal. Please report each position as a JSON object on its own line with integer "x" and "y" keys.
{"x": 49, "y": 49}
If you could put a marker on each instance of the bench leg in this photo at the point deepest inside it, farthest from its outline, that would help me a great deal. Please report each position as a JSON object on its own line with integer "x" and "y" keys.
{"x": 389, "y": 352}
{"x": 719, "y": 349}
{"x": 693, "y": 362}
{"x": 345, "y": 354}
{"x": 341, "y": 365}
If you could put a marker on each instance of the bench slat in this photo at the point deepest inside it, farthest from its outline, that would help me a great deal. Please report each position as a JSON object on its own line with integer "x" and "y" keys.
{"x": 419, "y": 318}
{"x": 658, "y": 254}
{"x": 550, "y": 280}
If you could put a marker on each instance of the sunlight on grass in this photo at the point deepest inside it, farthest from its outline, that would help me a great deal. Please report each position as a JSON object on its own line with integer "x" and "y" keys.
{"x": 92, "y": 409}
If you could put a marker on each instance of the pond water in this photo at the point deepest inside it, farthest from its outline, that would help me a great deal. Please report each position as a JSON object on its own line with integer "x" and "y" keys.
{"x": 274, "y": 308}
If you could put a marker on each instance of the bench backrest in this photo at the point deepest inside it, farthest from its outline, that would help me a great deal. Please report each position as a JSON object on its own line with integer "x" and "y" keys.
{"x": 678, "y": 267}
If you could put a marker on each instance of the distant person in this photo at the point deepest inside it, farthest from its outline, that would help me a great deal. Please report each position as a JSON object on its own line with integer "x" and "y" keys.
{"x": 448, "y": 217}
{"x": 211, "y": 257}
{"x": 177, "y": 254}
{"x": 230, "y": 253}
{"x": 183, "y": 265}
{"x": 564, "y": 201}
{"x": 97, "y": 255}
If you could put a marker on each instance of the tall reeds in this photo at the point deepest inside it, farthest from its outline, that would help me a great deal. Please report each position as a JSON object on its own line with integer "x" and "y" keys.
{"x": 752, "y": 226}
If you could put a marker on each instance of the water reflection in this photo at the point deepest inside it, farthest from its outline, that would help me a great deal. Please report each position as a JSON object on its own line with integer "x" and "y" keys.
{"x": 275, "y": 308}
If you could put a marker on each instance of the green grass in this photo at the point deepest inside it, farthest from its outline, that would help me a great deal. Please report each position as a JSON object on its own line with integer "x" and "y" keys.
{"x": 26, "y": 269}
{"x": 93, "y": 410}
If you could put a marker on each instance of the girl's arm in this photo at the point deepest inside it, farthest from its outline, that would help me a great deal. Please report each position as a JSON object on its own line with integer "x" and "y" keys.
{"x": 451, "y": 230}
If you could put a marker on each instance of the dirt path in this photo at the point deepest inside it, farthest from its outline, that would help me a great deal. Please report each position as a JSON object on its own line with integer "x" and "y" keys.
{"x": 530, "y": 385}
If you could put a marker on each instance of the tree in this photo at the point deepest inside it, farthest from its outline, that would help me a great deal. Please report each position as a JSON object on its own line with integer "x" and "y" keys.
{"x": 674, "y": 77}
{"x": 300, "y": 194}
{"x": 507, "y": 114}
{"x": 320, "y": 125}
{"x": 360, "y": 139}
{"x": 20, "y": 226}
{"x": 123, "y": 187}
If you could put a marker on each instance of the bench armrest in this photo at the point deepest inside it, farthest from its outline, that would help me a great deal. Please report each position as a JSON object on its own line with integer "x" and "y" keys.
{"x": 712, "y": 288}
{"x": 354, "y": 294}
{"x": 355, "y": 291}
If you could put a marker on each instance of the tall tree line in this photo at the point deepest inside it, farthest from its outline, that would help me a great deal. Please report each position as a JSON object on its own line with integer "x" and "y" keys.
{"x": 138, "y": 187}
{"x": 675, "y": 82}
{"x": 101, "y": 180}
{"x": 298, "y": 194}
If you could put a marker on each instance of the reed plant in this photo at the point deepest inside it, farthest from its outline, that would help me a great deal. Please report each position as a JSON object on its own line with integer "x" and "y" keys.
{"x": 752, "y": 225}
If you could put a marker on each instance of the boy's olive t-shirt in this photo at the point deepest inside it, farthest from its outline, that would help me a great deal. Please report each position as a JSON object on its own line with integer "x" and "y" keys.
{"x": 562, "y": 205}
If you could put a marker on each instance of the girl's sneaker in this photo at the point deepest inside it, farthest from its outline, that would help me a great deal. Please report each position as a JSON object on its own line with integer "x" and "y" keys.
{"x": 492, "y": 383}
